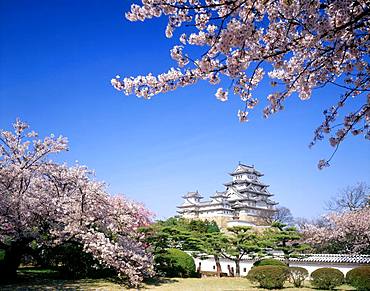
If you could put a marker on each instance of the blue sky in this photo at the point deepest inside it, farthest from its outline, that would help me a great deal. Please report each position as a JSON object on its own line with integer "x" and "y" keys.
{"x": 56, "y": 62}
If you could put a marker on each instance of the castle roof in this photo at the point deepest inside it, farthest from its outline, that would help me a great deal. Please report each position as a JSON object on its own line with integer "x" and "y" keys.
{"x": 242, "y": 168}
{"x": 271, "y": 202}
{"x": 254, "y": 191}
{"x": 192, "y": 195}
{"x": 219, "y": 194}
{"x": 334, "y": 258}
{"x": 237, "y": 182}
{"x": 238, "y": 204}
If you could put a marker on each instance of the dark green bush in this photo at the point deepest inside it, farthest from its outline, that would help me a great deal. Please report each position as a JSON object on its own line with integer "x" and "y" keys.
{"x": 297, "y": 275}
{"x": 269, "y": 277}
{"x": 269, "y": 262}
{"x": 175, "y": 263}
{"x": 327, "y": 278}
{"x": 359, "y": 278}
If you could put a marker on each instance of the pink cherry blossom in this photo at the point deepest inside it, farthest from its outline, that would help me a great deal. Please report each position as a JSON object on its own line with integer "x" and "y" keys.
{"x": 349, "y": 231}
{"x": 221, "y": 95}
{"x": 50, "y": 203}
{"x": 299, "y": 45}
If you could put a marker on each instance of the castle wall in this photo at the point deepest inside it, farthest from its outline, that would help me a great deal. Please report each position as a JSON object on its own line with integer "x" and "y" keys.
{"x": 221, "y": 220}
{"x": 208, "y": 264}
{"x": 252, "y": 219}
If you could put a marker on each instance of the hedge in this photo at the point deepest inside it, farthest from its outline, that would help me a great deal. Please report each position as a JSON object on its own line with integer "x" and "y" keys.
{"x": 327, "y": 278}
{"x": 359, "y": 278}
{"x": 297, "y": 275}
{"x": 269, "y": 262}
{"x": 269, "y": 277}
{"x": 175, "y": 263}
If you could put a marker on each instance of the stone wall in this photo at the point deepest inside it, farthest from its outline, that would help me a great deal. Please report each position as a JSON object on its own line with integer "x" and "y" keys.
{"x": 221, "y": 220}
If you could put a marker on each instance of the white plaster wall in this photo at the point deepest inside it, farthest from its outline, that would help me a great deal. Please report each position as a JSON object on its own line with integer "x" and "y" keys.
{"x": 210, "y": 265}
{"x": 213, "y": 214}
{"x": 344, "y": 268}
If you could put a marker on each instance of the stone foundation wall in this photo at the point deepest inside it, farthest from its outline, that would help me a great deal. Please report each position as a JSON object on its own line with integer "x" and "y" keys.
{"x": 221, "y": 220}
{"x": 252, "y": 219}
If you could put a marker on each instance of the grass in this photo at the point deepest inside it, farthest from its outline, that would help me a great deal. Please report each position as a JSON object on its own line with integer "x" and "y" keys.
{"x": 222, "y": 284}
{"x": 33, "y": 271}
{"x": 42, "y": 280}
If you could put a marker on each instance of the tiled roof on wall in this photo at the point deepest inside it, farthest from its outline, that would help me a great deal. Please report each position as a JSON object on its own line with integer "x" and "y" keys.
{"x": 333, "y": 258}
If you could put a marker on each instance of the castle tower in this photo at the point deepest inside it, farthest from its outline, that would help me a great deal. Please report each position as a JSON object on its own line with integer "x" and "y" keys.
{"x": 190, "y": 207}
{"x": 245, "y": 201}
{"x": 249, "y": 196}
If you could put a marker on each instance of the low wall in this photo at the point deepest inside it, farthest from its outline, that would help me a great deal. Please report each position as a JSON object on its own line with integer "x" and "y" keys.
{"x": 343, "y": 267}
{"x": 210, "y": 265}
{"x": 245, "y": 265}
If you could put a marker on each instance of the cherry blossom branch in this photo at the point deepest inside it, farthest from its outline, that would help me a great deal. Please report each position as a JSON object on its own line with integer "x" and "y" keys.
{"x": 309, "y": 44}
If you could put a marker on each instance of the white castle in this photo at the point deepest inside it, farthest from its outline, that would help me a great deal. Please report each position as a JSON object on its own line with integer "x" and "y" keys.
{"x": 245, "y": 201}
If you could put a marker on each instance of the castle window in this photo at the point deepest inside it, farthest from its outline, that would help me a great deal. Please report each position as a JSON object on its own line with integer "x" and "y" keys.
{"x": 245, "y": 270}
{"x": 214, "y": 267}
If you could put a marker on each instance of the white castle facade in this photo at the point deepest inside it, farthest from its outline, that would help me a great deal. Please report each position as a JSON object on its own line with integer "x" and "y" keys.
{"x": 245, "y": 201}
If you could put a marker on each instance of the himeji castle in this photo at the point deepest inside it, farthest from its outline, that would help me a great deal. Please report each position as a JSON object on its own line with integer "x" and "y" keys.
{"x": 245, "y": 201}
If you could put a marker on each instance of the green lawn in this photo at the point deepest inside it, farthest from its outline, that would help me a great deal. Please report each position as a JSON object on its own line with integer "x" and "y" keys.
{"x": 176, "y": 284}
{"x": 220, "y": 284}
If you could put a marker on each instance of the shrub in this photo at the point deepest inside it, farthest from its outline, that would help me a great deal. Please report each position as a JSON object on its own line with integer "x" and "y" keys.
{"x": 175, "y": 263}
{"x": 269, "y": 262}
{"x": 359, "y": 278}
{"x": 269, "y": 277}
{"x": 327, "y": 278}
{"x": 297, "y": 275}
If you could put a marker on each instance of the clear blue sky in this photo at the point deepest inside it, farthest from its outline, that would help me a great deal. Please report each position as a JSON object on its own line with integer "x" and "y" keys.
{"x": 56, "y": 61}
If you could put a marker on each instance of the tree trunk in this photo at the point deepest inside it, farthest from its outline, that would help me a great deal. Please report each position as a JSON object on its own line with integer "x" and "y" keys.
{"x": 229, "y": 269}
{"x": 11, "y": 261}
{"x": 237, "y": 268}
{"x": 218, "y": 265}
{"x": 199, "y": 269}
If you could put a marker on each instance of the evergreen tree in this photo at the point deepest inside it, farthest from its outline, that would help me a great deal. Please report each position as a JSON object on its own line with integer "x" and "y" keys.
{"x": 286, "y": 239}
{"x": 241, "y": 241}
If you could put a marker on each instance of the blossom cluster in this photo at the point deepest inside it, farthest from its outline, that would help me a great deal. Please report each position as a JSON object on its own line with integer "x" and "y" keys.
{"x": 349, "y": 232}
{"x": 302, "y": 45}
{"x": 50, "y": 203}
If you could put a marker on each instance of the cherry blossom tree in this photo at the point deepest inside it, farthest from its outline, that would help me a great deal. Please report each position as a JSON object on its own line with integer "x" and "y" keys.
{"x": 46, "y": 203}
{"x": 347, "y": 232}
{"x": 299, "y": 45}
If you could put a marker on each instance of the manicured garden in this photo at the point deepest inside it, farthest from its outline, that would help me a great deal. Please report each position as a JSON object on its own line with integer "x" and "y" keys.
{"x": 38, "y": 279}
{"x": 265, "y": 275}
